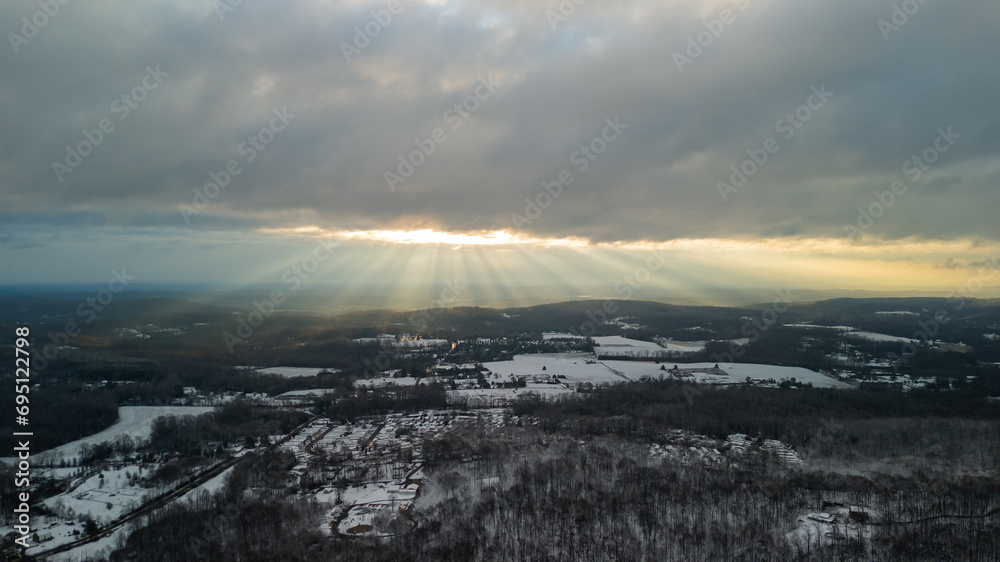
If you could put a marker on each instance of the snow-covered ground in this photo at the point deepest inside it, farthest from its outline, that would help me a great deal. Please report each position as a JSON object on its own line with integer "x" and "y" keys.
{"x": 689, "y": 447}
{"x": 388, "y": 452}
{"x": 133, "y": 421}
{"x": 582, "y": 368}
{"x": 809, "y": 325}
{"x": 823, "y": 528}
{"x": 685, "y": 346}
{"x": 294, "y": 372}
{"x": 366, "y": 502}
{"x": 896, "y": 313}
{"x": 479, "y": 397}
{"x": 618, "y": 345}
{"x": 736, "y": 373}
{"x": 874, "y": 336}
{"x": 406, "y": 342}
{"x": 386, "y": 381}
{"x": 307, "y": 392}
{"x": 576, "y": 367}
{"x": 561, "y": 336}
{"x": 101, "y": 548}
{"x": 210, "y": 486}
{"x": 104, "y": 496}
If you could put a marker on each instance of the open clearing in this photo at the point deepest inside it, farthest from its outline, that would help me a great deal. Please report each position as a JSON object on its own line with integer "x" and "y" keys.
{"x": 294, "y": 372}
{"x": 133, "y": 421}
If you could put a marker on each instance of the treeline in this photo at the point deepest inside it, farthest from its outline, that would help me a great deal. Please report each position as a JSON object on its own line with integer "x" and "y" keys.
{"x": 523, "y": 493}
{"x": 383, "y": 401}
{"x": 520, "y": 494}
{"x": 235, "y": 422}
{"x": 312, "y": 349}
{"x": 607, "y": 499}
{"x": 253, "y": 518}
{"x": 846, "y": 424}
{"x": 58, "y": 414}
{"x": 472, "y": 351}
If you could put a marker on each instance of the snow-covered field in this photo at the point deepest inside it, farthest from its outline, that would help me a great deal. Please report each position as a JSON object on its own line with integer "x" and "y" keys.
{"x": 307, "y": 392}
{"x": 576, "y": 367}
{"x": 293, "y": 372}
{"x": 367, "y": 501}
{"x": 823, "y": 528}
{"x": 618, "y": 345}
{"x": 620, "y": 341}
{"x": 808, "y": 325}
{"x": 406, "y": 343}
{"x": 624, "y": 346}
{"x": 582, "y": 368}
{"x": 97, "y": 550}
{"x": 480, "y": 397}
{"x": 684, "y": 346}
{"x": 133, "y": 421}
{"x": 873, "y": 336}
{"x": 386, "y": 381}
{"x": 378, "y": 382}
{"x": 736, "y": 373}
{"x": 561, "y": 336}
{"x": 210, "y": 486}
{"x": 104, "y": 496}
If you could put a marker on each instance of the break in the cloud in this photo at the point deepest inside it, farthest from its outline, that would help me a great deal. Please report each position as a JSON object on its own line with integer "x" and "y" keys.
{"x": 309, "y": 128}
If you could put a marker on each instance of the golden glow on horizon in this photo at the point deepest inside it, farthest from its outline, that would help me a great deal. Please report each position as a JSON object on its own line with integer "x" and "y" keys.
{"x": 430, "y": 236}
{"x": 693, "y": 266}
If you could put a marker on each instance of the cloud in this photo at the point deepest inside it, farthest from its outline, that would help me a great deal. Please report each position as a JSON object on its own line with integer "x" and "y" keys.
{"x": 554, "y": 90}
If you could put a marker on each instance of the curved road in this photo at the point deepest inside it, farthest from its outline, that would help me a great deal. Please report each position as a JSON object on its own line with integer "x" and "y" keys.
{"x": 164, "y": 499}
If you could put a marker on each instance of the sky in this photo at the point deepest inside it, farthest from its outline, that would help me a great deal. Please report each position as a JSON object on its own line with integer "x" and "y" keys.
{"x": 714, "y": 144}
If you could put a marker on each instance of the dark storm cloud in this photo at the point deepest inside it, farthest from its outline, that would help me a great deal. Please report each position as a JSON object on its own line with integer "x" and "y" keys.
{"x": 218, "y": 81}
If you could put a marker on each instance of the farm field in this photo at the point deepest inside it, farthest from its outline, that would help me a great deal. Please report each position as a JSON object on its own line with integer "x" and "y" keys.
{"x": 584, "y": 368}
{"x": 292, "y": 372}
{"x": 134, "y": 422}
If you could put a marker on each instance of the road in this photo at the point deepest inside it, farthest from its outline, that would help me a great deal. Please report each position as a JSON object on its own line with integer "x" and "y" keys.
{"x": 165, "y": 499}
